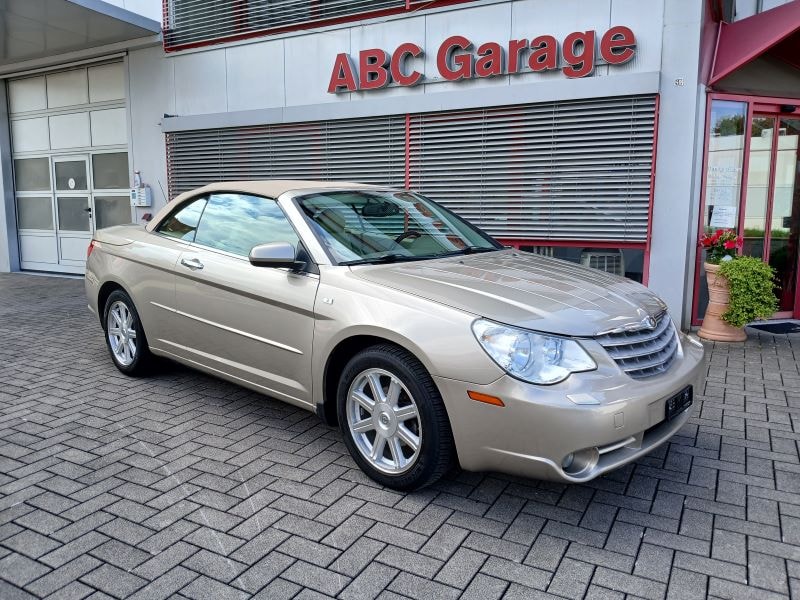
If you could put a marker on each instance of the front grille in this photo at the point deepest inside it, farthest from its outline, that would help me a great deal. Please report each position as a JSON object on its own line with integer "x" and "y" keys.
{"x": 643, "y": 353}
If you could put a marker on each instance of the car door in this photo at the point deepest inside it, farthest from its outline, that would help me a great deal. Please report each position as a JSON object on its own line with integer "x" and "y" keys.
{"x": 150, "y": 271}
{"x": 254, "y": 324}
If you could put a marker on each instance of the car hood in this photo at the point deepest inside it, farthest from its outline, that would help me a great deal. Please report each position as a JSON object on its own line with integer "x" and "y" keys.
{"x": 523, "y": 289}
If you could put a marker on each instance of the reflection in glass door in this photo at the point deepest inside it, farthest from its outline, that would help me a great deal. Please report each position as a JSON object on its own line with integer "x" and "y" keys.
{"x": 772, "y": 202}
{"x": 723, "y": 179}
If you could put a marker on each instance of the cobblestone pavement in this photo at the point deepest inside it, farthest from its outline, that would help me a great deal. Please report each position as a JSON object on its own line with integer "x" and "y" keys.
{"x": 181, "y": 485}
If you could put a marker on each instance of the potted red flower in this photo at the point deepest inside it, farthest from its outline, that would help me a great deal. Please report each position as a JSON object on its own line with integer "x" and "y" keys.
{"x": 721, "y": 246}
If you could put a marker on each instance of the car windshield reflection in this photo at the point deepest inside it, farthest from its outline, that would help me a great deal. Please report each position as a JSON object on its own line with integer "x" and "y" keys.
{"x": 360, "y": 227}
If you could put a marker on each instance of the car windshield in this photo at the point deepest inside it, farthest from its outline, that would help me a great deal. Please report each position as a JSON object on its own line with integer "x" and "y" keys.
{"x": 366, "y": 226}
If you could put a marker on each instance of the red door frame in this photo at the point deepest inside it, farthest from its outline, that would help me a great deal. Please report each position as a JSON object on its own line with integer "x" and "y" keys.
{"x": 755, "y": 105}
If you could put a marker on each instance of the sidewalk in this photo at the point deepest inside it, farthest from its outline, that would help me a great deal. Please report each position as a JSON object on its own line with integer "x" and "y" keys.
{"x": 184, "y": 484}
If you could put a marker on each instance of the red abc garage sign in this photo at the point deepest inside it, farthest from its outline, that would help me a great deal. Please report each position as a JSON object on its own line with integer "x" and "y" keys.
{"x": 457, "y": 59}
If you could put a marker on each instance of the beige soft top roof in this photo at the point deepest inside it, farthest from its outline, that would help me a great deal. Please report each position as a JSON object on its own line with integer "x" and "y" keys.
{"x": 271, "y": 188}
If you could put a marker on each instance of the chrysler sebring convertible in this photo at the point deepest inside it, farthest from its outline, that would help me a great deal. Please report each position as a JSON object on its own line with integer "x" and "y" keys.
{"x": 425, "y": 340}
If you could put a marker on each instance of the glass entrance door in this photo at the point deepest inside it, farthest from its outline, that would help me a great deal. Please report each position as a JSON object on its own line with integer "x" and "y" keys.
{"x": 73, "y": 208}
{"x": 771, "y": 217}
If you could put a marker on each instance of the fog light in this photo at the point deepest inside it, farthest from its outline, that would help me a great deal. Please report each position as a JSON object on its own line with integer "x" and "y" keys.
{"x": 567, "y": 462}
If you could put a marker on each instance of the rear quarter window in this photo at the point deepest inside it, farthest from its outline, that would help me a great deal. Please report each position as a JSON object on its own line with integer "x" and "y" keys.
{"x": 182, "y": 224}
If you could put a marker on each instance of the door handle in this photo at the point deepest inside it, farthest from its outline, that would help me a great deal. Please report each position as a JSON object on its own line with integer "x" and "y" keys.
{"x": 192, "y": 263}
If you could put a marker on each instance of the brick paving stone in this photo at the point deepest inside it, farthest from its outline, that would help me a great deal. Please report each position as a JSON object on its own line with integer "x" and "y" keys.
{"x": 316, "y": 578}
{"x": 360, "y": 554}
{"x": 419, "y": 588}
{"x": 74, "y": 591}
{"x": 571, "y": 579}
{"x": 165, "y": 560}
{"x": 204, "y": 587}
{"x": 279, "y": 589}
{"x": 686, "y": 585}
{"x": 181, "y": 485}
{"x": 20, "y": 570}
{"x": 406, "y": 560}
{"x": 113, "y": 581}
{"x": 369, "y": 583}
{"x": 461, "y": 568}
{"x": 63, "y": 576}
{"x": 165, "y": 585}
{"x": 483, "y": 587}
{"x": 263, "y": 572}
{"x": 120, "y": 554}
{"x": 218, "y": 567}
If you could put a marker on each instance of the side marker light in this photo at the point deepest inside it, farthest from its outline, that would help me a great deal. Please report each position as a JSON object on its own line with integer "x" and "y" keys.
{"x": 486, "y": 398}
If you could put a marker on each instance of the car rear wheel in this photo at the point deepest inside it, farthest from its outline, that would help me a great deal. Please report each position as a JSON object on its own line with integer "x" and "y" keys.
{"x": 124, "y": 335}
{"x": 393, "y": 419}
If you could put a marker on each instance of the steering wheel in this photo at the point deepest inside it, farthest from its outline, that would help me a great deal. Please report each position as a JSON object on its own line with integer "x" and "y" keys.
{"x": 407, "y": 234}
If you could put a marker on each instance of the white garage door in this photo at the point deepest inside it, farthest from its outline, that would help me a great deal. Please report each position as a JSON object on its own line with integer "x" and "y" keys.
{"x": 69, "y": 138}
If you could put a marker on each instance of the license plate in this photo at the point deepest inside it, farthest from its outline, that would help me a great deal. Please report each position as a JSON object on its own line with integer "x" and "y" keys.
{"x": 678, "y": 403}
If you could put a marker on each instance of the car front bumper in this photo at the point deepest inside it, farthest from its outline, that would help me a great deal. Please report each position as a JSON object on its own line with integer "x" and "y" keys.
{"x": 604, "y": 418}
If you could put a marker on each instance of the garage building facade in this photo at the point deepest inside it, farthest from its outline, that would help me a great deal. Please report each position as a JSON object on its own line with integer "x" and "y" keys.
{"x": 573, "y": 129}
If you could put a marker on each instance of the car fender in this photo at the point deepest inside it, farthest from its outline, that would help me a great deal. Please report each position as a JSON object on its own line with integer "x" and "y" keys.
{"x": 439, "y": 336}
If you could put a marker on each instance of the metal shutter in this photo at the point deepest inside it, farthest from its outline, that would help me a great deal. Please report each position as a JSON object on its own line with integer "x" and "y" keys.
{"x": 368, "y": 150}
{"x": 576, "y": 170}
{"x": 192, "y": 21}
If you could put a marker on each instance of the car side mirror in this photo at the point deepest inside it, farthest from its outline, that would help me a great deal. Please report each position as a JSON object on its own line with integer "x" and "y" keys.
{"x": 275, "y": 254}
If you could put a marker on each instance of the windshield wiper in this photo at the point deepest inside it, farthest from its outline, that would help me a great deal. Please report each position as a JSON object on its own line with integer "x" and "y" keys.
{"x": 394, "y": 257}
{"x": 384, "y": 258}
{"x": 476, "y": 249}
{"x": 470, "y": 250}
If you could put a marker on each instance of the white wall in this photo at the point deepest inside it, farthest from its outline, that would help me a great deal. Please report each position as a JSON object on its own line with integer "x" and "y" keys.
{"x": 150, "y": 96}
{"x": 294, "y": 70}
{"x": 680, "y": 145}
{"x": 147, "y": 8}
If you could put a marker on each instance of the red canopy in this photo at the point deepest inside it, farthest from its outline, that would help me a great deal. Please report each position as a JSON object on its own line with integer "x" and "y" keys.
{"x": 770, "y": 31}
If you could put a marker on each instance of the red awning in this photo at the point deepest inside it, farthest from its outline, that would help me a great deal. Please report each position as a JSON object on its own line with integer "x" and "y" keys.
{"x": 770, "y": 31}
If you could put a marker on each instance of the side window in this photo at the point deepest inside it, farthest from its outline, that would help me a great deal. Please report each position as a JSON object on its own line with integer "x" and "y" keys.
{"x": 237, "y": 222}
{"x": 182, "y": 224}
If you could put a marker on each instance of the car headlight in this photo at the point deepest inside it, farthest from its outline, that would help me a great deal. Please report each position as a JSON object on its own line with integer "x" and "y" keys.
{"x": 532, "y": 357}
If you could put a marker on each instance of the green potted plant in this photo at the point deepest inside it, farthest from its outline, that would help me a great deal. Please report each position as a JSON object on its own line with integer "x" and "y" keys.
{"x": 752, "y": 290}
{"x": 740, "y": 288}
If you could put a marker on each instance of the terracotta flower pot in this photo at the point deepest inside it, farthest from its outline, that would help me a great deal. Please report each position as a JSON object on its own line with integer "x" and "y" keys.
{"x": 719, "y": 294}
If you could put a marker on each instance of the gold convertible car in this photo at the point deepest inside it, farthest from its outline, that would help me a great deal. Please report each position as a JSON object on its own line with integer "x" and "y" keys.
{"x": 421, "y": 336}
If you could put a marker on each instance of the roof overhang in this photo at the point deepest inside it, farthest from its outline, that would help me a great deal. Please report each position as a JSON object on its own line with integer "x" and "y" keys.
{"x": 33, "y": 29}
{"x": 774, "y": 32}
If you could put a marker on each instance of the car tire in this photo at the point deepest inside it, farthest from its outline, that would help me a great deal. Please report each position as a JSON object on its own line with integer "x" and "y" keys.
{"x": 125, "y": 336}
{"x": 393, "y": 419}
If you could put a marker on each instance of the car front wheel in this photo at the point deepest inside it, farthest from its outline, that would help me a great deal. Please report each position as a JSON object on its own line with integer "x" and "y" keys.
{"x": 124, "y": 335}
{"x": 393, "y": 419}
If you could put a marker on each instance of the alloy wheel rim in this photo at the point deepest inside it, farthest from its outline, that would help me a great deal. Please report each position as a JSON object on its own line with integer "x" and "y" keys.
{"x": 384, "y": 421}
{"x": 121, "y": 327}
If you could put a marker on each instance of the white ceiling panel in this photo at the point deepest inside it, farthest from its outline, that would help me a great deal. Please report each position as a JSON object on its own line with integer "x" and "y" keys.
{"x": 41, "y": 28}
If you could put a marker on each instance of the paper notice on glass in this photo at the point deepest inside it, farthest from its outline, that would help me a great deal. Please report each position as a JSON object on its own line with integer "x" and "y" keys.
{"x": 722, "y": 195}
{"x": 723, "y": 217}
